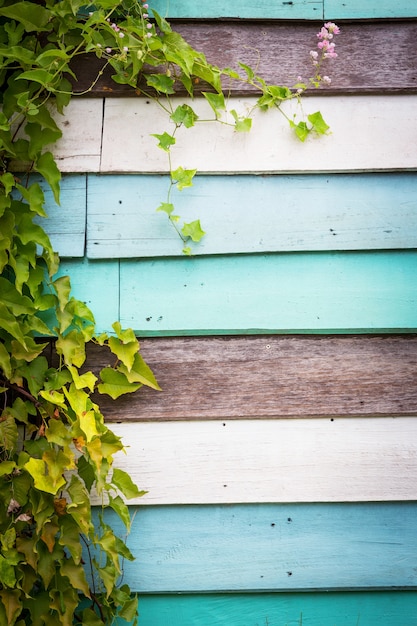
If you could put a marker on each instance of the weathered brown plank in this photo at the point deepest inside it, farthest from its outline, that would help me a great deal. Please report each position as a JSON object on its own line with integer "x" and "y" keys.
{"x": 374, "y": 57}
{"x": 272, "y": 376}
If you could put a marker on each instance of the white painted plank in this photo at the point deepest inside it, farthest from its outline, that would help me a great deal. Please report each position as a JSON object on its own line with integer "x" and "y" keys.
{"x": 79, "y": 148}
{"x": 253, "y": 214}
{"x": 299, "y": 460}
{"x": 367, "y": 133}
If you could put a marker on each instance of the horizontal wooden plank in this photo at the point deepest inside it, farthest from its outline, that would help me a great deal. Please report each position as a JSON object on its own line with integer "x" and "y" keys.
{"x": 366, "y": 63}
{"x": 277, "y": 9}
{"x": 270, "y": 376}
{"x": 316, "y": 609}
{"x": 297, "y": 9}
{"x": 368, "y": 211}
{"x": 97, "y": 284}
{"x": 298, "y": 460}
{"x": 276, "y": 293}
{"x": 272, "y": 547}
{"x": 66, "y": 222}
{"x": 79, "y": 149}
{"x": 340, "y": 9}
{"x": 365, "y": 135}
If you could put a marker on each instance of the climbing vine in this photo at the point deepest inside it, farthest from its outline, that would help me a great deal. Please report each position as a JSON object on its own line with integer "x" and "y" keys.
{"x": 59, "y": 563}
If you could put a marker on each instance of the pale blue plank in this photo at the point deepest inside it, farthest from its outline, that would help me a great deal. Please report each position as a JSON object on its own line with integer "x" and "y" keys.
{"x": 253, "y": 214}
{"x": 295, "y": 609}
{"x": 356, "y": 9}
{"x": 96, "y": 284}
{"x": 66, "y": 223}
{"x": 277, "y": 293}
{"x": 263, "y": 9}
{"x": 272, "y": 547}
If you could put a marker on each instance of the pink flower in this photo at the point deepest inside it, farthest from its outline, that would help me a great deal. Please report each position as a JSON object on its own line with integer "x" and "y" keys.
{"x": 332, "y": 28}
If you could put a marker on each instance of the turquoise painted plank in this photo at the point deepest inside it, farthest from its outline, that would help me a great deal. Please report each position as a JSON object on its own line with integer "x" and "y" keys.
{"x": 270, "y": 547}
{"x": 263, "y": 9}
{"x": 253, "y": 214}
{"x": 277, "y": 293}
{"x": 281, "y": 9}
{"x": 96, "y": 284}
{"x": 306, "y": 609}
{"x": 356, "y": 9}
{"x": 66, "y": 223}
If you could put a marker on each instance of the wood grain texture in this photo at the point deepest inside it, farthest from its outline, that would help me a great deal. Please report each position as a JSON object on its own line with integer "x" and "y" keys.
{"x": 297, "y": 9}
{"x": 367, "y": 133}
{"x": 339, "y": 292}
{"x": 315, "y": 609}
{"x": 271, "y": 376}
{"x": 281, "y": 460}
{"x": 367, "y": 62}
{"x": 272, "y": 547}
{"x": 66, "y": 222}
{"x": 244, "y": 214}
{"x": 79, "y": 148}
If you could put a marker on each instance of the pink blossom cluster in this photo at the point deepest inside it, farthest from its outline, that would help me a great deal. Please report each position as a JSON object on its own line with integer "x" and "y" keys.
{"x": 326, "y": 45}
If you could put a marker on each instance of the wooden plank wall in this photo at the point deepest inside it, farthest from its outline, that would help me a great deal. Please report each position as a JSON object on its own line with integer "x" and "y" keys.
{"x": 280, "y": 456}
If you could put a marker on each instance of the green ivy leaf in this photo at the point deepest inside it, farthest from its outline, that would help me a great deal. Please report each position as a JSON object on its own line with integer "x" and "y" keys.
{"x": 318, "y": 123}
{"x": 165, "y": 141}
{"x": 82, "y": 381}
{"x": 125, "y": 352}
{"x": 242, "y": 124}
{"x": 193, "y": 230}
{"x": 183, "y": 178}
{"x": 125, "y": 484}
{"x": 79, "y": 507}
{"x": 216, "y": 101}
{"x": 76, "y": 575}
{"x": 6, "y": 467}
{"x": 301, "y": 130}
{"x": 184, "y": 114}
{"x": 166, "y": 207}
{"x": 33, "y": 17}
{"x": 72, "y": 348}
{"x": 15, "y": 302}
{"x": 5, "y": 361}
{"x": 121, "y": 509}
{"x": 161, "y": 83}
{"x": 12, "y": 602}
{"x": 7, "y": 573}
{"x": 43, "y": 77}
{"x": 140, "y": 372}
{"x": 115, "y": 383}
{"x": 162, "y": 23}
{"x": 47, "y": 472}
{"x": 8, "y": 434}
{"x": 47, "y": 167}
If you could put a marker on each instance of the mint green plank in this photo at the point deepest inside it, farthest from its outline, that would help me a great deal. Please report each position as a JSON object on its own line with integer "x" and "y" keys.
{"x": 66, "y": 222}
{"x": 263, "y": 9}
{"x": 96, "y": 284}
{"x": 356, "y": 9}
{"x": 307, "y": 609}
{"x": 272, "y": 547}
{"x": 277, "y": 293}
{"x": 253, "y": 214}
